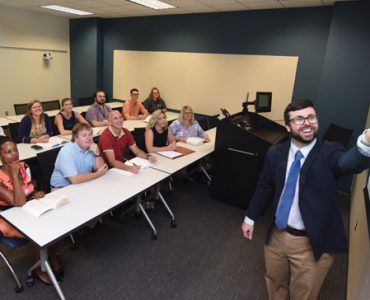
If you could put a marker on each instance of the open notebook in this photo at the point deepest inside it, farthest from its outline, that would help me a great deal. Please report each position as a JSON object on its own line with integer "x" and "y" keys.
{"x": 179, "y": 151}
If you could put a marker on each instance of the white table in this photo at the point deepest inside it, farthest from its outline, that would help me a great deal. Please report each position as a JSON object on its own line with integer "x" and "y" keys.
{"x": 14, "y": 118}
{"x": 132, "y": 124}
{"x": 27, "y": 152}
{"x": 88, "y": 201}
{"x": 4, "y": 122}
{"x": 171, "y": 166}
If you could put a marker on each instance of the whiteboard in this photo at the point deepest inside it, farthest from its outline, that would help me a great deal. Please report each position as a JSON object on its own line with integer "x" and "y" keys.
{"x": 205, "y": 81}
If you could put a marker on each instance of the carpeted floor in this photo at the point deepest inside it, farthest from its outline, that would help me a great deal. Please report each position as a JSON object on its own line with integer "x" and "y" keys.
{"x": 205, "y": 257}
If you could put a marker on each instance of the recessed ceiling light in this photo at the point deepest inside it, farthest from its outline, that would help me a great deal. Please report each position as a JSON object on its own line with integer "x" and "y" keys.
{"x": 155, "y": 4}
{"x": 68, "y": 10}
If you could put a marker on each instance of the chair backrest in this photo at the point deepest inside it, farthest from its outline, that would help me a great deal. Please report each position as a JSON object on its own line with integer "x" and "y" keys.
{"x": 13, "y": 243}
{"x": 13, "y": 128}
{"x": 139, "y": 136}
{"x": 46, "y": 162}
{"x": 336, "y": 133}
{"x": 20, "y": 109}
{"x": 82, "y": 101}
{"x": 50, "y": 105}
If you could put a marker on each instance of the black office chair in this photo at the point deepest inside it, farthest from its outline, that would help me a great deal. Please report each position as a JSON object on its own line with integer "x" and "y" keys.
{"x": 50, "y": 105}
{"x": 12, "y": 243}
{"x": 82, "y": 101}
{"x": 13, "y": 128}
{"x": 47, "y": 162}
{"x": 139, "y": 136}
{"x": 20, "y": 109}
{"x": 336, "y": 133}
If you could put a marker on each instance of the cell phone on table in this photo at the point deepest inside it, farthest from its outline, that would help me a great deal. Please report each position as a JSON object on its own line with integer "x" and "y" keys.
{"x": 36, "y": 147}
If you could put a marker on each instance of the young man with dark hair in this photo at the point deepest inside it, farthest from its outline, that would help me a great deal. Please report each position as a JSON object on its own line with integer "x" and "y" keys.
{"x": 300, "y": 178}
{"x": 133, "y": 109}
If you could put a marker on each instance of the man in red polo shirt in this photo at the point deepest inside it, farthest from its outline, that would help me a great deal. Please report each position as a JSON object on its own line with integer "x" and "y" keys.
{"x": 115, "y": 140}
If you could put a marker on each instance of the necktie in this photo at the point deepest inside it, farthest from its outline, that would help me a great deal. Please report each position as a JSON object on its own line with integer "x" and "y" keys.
{"x": 286, "y": 200}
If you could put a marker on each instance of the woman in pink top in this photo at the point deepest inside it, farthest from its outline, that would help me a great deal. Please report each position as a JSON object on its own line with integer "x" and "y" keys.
{"x": 16, "y": 188}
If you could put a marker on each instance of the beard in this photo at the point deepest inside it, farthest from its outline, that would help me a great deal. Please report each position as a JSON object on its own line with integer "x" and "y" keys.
{"x": 298, "y": 138}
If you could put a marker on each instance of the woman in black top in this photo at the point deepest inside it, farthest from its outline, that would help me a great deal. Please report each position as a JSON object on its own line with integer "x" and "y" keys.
{"x": 67, "y": 118}
{"x": 157, "y": 135}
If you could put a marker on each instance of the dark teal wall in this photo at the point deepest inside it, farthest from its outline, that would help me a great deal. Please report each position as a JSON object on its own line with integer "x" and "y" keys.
{"x": 344, "y": 95}
{"x": 297, "y": 32}
{"x": 86, "y": 45}
{"x": 332, "y": 44}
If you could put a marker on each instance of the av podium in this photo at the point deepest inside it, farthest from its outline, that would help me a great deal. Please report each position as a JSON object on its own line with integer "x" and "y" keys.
{"x": 242, "y": 141}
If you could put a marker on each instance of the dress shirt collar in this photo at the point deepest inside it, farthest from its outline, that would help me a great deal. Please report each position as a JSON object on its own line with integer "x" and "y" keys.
{"x": 304, "y": 150}
{"x": 78, "y": 148}
{"x": 121, "y": 133}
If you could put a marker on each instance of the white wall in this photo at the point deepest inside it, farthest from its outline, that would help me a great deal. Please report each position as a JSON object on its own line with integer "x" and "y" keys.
{"x": 205, "y": 81}
{"x": 24, "y": 75}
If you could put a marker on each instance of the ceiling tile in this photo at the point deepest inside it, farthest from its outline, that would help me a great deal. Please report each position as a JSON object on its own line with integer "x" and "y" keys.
{"x": 104, "y": 8}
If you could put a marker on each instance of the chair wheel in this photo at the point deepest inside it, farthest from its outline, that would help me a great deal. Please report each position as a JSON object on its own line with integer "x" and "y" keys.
{"x": 18, "y": 289}
{"x": 30, "y": 280}
{"x": 73, "y": 247}
{"x": 173, "y": 223}
{"x": 154, "y": 236}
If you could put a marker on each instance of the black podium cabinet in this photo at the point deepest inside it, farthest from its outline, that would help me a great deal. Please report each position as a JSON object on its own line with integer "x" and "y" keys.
{"x": 242, "y": 141}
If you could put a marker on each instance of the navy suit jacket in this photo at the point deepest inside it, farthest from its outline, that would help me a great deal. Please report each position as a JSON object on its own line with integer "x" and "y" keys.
{"x": 318, "y": 184}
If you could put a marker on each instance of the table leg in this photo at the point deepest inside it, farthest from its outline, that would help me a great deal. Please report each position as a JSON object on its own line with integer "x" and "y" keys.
{"x": 46, "y": 267}
{"x": 147, "y": 219}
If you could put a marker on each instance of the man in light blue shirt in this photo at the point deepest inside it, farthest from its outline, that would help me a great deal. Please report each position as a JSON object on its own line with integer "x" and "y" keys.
{"x": 79, "y": 161}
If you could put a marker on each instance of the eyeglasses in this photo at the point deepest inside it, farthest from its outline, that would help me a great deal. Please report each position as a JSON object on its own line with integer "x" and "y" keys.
{"x": 312, "y": 119}
{"x": 188, "y": 112}
{"x": 135, "y": 94}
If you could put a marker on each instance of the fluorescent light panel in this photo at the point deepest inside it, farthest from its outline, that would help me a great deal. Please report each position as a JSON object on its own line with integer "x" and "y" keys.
{"x": 155, "y": 4}
{"x": 68, "y": 10}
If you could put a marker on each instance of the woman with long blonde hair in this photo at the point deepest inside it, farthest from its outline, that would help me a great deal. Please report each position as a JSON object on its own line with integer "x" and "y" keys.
{"x": 157, "y": 135}
{"x": 186, "y": 126}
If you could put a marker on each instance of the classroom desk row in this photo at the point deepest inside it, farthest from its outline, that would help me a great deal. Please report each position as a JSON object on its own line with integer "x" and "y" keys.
{"x": 53, "y": 113}
{"x": 90, "y": 200}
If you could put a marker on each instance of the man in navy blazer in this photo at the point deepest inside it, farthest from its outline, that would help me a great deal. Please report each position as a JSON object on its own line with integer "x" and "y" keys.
{"x": 307, "y": 227}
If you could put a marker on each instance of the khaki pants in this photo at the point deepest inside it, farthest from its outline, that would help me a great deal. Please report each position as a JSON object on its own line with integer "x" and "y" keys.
{"x": 291, "y": 269}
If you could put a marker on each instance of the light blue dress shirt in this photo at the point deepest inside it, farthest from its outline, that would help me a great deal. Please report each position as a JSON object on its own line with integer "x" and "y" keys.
{"x": 71, "y": 160}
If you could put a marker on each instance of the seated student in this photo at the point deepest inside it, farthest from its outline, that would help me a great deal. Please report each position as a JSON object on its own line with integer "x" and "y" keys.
{"x": 78, "y": 161}
{"x": 67, "y": 118}
{"x": 157, "y": 135}
{"x": 134, "y": 109}
{"x": 16, "y": 187}
{"x": 97, "y": 114}
{"x": 154, "y": 101}
{"x": 186, "y": 126}
{"x": 35, "y": 127}
{"x": 115, "y": 140}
